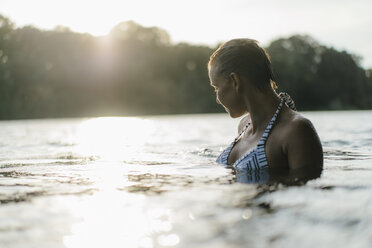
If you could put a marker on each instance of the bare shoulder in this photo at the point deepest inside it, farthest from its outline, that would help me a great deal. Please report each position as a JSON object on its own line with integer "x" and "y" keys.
{"x": 243, "y": 122}
{"x": 302, "y": 143}
{"x": 300, "y": 127}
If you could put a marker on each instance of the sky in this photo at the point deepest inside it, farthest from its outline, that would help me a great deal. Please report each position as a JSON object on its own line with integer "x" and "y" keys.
{"x": 343, "y": 24}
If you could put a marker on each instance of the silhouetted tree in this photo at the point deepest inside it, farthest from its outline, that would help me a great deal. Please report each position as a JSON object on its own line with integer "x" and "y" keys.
{"x": 138, "y": 70}
{"x": 319, "y": 77}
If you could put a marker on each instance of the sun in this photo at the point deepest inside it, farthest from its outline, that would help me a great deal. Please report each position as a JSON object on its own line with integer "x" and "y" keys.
{"x": 96, "y": 17}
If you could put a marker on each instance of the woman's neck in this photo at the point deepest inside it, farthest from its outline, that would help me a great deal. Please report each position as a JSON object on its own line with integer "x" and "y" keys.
{"x": 261, "y": 107}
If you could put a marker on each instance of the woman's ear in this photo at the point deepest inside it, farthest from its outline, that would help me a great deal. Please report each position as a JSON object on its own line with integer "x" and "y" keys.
{"x": 237, "y": 82}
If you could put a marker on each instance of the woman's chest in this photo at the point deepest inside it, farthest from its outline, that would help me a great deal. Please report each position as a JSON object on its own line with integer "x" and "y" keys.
{"x": 242, "y": 147}
{"x": 270, "y": 150}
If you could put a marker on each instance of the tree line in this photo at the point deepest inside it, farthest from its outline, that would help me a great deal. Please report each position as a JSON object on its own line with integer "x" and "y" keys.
{"x": 137, "y": 70}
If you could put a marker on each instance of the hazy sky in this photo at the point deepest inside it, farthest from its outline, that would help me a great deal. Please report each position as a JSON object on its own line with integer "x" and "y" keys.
{"x": 344, "y": 24}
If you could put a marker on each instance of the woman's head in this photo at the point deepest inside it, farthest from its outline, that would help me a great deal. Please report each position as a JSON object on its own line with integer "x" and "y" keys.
{"x": 245, "y": 58}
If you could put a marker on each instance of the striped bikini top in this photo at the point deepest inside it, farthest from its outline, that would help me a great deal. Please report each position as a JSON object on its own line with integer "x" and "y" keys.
{"x": 255, "y": 159}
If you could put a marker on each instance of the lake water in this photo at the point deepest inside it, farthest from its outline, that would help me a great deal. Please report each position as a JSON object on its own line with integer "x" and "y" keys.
{"x": 152, "y": 182}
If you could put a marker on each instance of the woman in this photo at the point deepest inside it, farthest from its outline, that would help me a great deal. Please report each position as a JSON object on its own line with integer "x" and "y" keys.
{"x": 272, "y": 135}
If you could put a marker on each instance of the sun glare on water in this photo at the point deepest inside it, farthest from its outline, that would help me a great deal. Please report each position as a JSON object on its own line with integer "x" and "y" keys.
{"x": 121, "y": 221}
{"x": 111, "y": 217}
{"x": 113, "y": 138}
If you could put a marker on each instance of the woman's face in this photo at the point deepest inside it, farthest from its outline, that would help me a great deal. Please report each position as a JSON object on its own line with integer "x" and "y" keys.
{"x": 226, "y": 94}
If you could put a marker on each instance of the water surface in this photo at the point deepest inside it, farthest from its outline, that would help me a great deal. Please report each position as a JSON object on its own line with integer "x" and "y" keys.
{"x": 153, "y": 182}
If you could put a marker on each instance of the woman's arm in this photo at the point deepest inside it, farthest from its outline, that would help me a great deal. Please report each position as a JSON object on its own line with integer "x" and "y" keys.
{"x": 304, "y": 149}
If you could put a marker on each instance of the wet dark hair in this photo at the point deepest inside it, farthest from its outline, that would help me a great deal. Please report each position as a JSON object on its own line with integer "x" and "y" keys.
{"x": 246, "y": 58}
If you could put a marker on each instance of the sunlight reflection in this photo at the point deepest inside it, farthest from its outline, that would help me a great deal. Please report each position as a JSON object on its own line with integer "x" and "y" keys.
{"x": 113, "y": 138}
{"x": 160, "y": 219}
{"x": 112, "y": 217}
{"x": 117, "y": 219}
{"x": 104, "y": 224}
{"x": 169, "y": 240}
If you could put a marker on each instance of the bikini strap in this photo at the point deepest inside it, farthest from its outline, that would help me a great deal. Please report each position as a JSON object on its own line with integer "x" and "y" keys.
{"x": 288, "y": 100}
{"x": 269, "y": 126}
{"x": 242, "y": 131}
{"x": 272, "y": 121}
